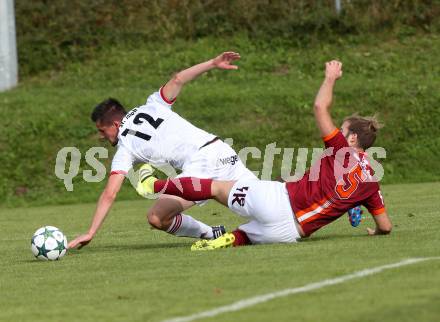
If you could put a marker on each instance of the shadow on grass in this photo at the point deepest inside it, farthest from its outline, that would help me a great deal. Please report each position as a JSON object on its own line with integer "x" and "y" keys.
{"x": 332, "y": 237}
{"x": 128, "y": 247}
{"x": 157, "y": 246}
{"x": 112, "y": 248}
{"x": 33, "y": 261}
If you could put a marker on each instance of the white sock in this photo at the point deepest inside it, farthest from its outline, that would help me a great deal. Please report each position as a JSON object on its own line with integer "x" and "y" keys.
{"x": 186, "y": 226}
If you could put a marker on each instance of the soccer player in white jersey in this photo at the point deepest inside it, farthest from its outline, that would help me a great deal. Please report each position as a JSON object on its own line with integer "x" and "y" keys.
{"x": 153, "y": 133}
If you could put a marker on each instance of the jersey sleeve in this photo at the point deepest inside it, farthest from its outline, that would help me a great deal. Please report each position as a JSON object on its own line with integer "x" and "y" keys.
{"x": 375, "y": 204}
{"x": 159, "y": 98}
{"x": 122, "y": 162}
{"x": 336, "y": 140}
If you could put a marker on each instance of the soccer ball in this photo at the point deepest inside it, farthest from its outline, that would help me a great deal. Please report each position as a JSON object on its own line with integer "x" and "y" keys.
{"x": 49, "y": 243}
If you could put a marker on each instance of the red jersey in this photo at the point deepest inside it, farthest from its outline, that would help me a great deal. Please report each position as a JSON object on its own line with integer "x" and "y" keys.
{"x": 341, "y": 180}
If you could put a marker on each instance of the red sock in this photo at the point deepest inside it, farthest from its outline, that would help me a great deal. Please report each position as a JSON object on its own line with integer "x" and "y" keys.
{"x": 241, "y": 238}
{"x": 188, "y": 188}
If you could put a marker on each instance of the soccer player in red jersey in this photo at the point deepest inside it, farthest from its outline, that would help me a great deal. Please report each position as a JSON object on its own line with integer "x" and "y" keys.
{"x": 287, "y": 212}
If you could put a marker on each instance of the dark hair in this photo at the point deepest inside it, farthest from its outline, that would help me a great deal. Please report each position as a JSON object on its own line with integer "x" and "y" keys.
{"x": 108, "y": 111}
{"x": 365, "y": 127}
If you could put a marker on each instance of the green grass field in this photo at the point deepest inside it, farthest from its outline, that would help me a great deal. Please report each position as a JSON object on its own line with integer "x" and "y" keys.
{"x": 74, "y": 54}
{"x": 132, "y": 273}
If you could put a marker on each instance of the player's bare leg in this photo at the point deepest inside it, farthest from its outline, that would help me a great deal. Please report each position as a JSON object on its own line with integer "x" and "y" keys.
{"x": 198, "y": 189}
{"x": 163, "y": 211}
{"x": 166, "y": 214}
{"x": 220, "y": 191}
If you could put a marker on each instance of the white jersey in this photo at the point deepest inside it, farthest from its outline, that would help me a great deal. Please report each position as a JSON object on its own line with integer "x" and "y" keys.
{"x": 153, "y": 133}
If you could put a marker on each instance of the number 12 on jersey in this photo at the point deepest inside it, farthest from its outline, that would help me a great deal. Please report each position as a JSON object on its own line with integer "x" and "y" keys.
{"x": 138, "y": 120}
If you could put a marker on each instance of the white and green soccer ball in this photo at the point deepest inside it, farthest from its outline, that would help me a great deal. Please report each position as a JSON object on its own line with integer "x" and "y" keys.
{"x": 49, "y": 243}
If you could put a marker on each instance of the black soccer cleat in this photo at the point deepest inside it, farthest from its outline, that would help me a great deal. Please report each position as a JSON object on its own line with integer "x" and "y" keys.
{"x": 218, "y": 231}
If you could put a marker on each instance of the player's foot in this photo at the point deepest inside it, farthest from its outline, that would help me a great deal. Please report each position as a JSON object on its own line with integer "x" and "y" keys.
{"x": 145, "y": 186}
{"x": 218, "y": 231}
{"x": 224, "y": 241}
{"x": 355, "y": 216}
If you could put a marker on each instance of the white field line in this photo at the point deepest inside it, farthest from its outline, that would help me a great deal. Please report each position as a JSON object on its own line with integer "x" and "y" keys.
{"x": 239, "y": 305}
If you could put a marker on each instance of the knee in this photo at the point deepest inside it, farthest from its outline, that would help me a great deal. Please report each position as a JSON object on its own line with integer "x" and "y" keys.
{"x": 155, "y": 221}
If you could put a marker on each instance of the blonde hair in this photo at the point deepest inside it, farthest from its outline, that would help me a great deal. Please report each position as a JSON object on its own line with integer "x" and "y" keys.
{"x": 365, "y": 127}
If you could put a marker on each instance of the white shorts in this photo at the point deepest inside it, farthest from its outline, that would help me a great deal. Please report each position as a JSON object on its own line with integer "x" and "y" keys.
{"x": 216, "y": 161}
{"x": 266, "y": 204}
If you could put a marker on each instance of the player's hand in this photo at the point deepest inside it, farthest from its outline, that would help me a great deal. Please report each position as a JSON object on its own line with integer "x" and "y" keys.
{"x": 333, "y": 70}
{"x": 80, "y": 241}
{"x": 224, "y": 60}
{"x": 371, "y": 232}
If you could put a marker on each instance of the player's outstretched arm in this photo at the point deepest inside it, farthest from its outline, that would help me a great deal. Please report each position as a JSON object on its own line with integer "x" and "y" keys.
{"x": 323, "y": 100}
{"x": 175, "y": 84}
{"x": 104, "y": 204}
{"x": 383, "y": 225}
